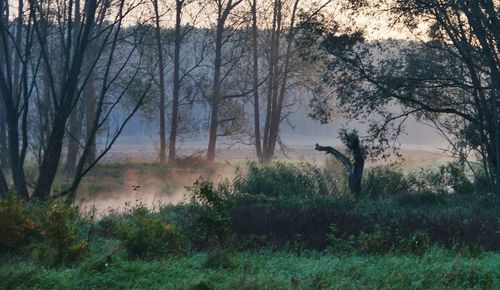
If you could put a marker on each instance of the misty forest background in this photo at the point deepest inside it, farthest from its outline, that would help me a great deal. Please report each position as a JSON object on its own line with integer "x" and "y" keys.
{"x": 230, "y": 103}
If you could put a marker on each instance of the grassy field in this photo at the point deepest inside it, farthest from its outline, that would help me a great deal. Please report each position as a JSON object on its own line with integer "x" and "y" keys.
{"x": 438, "y": 269}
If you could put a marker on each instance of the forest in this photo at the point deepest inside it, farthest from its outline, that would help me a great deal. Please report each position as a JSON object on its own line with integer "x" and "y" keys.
{"x": 270, "y": 144}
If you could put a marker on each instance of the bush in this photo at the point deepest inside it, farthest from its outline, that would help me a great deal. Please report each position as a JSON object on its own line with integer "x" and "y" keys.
{"x": 52, "y": 230}
{"x": 107, "y": 225}
{"x": 418, "y": 243}
{"x": 379, "y": 241}
{"x": 17, "y": 224}
{"x": 339, "y": 242}
{"x": 446, "y": 223}
{"x": 60, "y": 238}
{"x": 283, "y": 179}
{"x": 385, "y": 181}
{"x": 209, "y": 212}
{"x": 145, "y": 235}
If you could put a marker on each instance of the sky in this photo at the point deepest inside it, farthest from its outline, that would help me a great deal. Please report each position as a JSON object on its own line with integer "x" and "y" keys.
{"x": 377, "y": 26}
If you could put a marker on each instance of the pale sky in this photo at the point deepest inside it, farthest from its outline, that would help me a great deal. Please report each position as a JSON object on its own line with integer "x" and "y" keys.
{"x": 376, "y": 27}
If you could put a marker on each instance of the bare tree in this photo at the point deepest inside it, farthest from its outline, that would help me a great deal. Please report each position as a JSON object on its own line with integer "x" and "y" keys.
{"x": 284, "y": 71}
{"x": 178, "y": 37}
{"x": 255, "y": 80}
{"x": 161, "y": 67}
{"x": 50, "y": 46}
{"x": 224, "y": 8}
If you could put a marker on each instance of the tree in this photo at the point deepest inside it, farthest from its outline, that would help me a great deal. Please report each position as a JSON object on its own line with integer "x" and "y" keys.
{"x": 179, "y": 36}
{"x": 50, "y": 48}
{"x": 223, "y": 10}
{"x": 355, "y": 166}
{"x": 76, "y": 117}
{"x": 285, "y": 70}
{"x": 255, "y": 80}
{"x": 161, "y": 66}
{"x": 450, "y": 78}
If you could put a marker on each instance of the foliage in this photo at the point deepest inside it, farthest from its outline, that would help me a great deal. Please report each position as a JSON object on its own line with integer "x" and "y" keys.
{"x": 209, "y": 214}
{"x": 60, "y": 240}
{"x": 424, "y": 185}
{"x": 283, "y": 179}
{"x": 145, "y": 235}
{"x": 448, "y": 221}
{"x": 385, "y": 182}
{"x": 52, "y": 230}
{"x": 17, "y": 224}
{"x": 338, "y": 242}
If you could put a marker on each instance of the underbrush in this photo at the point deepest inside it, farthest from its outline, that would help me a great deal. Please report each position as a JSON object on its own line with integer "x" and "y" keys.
{"x": 296, "y": 209}
{"x": 51, "y": 232}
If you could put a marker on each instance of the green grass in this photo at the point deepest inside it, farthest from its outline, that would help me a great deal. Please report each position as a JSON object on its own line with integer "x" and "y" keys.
{"x": 438, "y": 269}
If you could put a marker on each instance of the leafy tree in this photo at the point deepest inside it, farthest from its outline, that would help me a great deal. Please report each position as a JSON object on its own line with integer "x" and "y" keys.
{"x": 450, "y": 80}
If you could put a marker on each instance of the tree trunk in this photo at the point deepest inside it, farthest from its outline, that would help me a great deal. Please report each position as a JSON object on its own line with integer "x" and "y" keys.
{"x": 90, "y": 103}
{"x": 216, "y": 95}
{"x": 255, "y": 35}
{"x": 51, "y": 159}
{"x": 75, "y": 130}
{"x": 3, "y": 184}
{"x": 74, "y": 137}
{"x": 273, "y": 80}
{"x": 355, "y": 169}
{"x": 3, "y": 138}
{"x": 177, "y": 84}
{"x": 3, "y": 119}
{"x": 16, "y": 164}
{"x": 161, "y": 65}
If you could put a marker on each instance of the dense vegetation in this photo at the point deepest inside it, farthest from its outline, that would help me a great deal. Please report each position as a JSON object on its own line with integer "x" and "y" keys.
{"x": 279, "y": 225}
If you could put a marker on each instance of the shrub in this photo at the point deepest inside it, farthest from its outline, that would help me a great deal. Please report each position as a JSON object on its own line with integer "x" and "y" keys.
{"x": 17, "y": 225}
{"x": 283, "y": 179}
{"x": 61, "y": 240}
{"x": 456, "y": 219}
{"x": 418, "y": 243}
{"x": 145, "y": 235}
{"x": 419, "y": 198}
{"x": 339, "y": 242}
{"x": 384, "y": 181}
{"x": 209, "y": 212}
{"x": 107, "y": 225}
{"x": 379, "y": 241}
